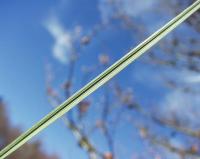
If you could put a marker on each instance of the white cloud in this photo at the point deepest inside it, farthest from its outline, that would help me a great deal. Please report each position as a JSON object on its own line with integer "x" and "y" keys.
{"x": 179, "y": 103}
{"x": 105, "y": 10}
{"x": 184, "y": 105}
{"x": 187, "y": 77}
{"x": 193, "y": 79}
{"x": 63, "y": 39}
{"x": 131, "y": 8}
{"x": 135, "y": 8}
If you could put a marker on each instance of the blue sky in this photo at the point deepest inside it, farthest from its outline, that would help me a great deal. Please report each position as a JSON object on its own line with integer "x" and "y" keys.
{"x": 26, "y": 44}
{"x": 24, "y": 47}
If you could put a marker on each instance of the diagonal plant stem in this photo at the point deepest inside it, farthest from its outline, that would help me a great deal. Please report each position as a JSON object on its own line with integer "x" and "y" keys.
{"x": 83, "y": 140}
{"x": 100, "y": 80}
{"x": 68, "y": 121}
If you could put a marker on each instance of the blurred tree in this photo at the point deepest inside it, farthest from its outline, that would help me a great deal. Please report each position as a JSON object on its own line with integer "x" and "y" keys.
{"x": 8, "y": 133}
{"x": 117, "y": 103}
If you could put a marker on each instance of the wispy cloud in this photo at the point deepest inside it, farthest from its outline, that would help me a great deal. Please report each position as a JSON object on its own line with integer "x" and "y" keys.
{"x": 105, "y": 10}
{"x": 195, "y": 79}
{"x": 185, "y": 106}
{"x": 187, "y": 77}
{"x": 134, "y": 8}
{"x": 130, "y": 7}
{"x": 62, "y": 37}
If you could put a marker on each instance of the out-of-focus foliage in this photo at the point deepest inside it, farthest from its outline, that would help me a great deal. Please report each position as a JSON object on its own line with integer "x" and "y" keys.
{"x": 164, "y": 134}
{"x": 8, "y": 133}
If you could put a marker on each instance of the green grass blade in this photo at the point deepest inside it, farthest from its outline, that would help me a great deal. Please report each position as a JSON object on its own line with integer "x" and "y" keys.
{"x": 99, "y": 80}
